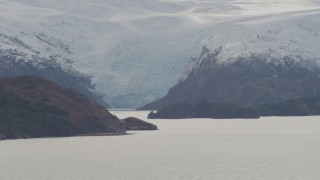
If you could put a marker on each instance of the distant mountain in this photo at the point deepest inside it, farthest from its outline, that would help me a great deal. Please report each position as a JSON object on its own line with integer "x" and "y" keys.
{"x": 135, "y": 50}
{"x": 33, "y": 107}
{"x": 247, "y": 81}
{"x": 254, "y": 60}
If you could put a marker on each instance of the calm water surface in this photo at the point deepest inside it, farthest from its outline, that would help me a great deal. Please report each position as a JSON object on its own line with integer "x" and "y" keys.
{"x": 268, "y": 148}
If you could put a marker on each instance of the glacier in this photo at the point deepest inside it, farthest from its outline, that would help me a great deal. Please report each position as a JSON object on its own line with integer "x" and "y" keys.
{"x": 135, "y": 50}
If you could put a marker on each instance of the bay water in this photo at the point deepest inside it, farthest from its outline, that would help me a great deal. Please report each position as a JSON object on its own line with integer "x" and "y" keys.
{"x": 266, "y": 148}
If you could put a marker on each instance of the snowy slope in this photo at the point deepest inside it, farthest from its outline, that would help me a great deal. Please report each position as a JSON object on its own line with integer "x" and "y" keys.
{"x": 136, "y": 49}
{"x": 26, "y": 30}
{"x": 291, "y": 35}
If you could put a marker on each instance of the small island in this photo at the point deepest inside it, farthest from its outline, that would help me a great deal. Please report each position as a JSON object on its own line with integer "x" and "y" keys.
{"x": 132, "y": 123}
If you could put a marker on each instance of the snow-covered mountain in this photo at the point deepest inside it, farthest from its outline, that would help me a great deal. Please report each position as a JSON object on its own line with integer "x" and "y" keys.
{"x": 290, "y": 35}
{"x": 135, "y": 50}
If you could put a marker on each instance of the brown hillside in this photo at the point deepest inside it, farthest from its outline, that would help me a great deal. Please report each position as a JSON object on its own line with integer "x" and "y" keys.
{"x": 84, "y": 114}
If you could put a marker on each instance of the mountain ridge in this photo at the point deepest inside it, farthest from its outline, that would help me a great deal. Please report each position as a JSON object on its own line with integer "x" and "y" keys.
{"x": 246, "y": 82}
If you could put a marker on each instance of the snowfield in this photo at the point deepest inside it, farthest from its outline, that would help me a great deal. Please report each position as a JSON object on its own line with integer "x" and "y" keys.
{"x": 294, "y": 35}
{"x": 136, "y": 50}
